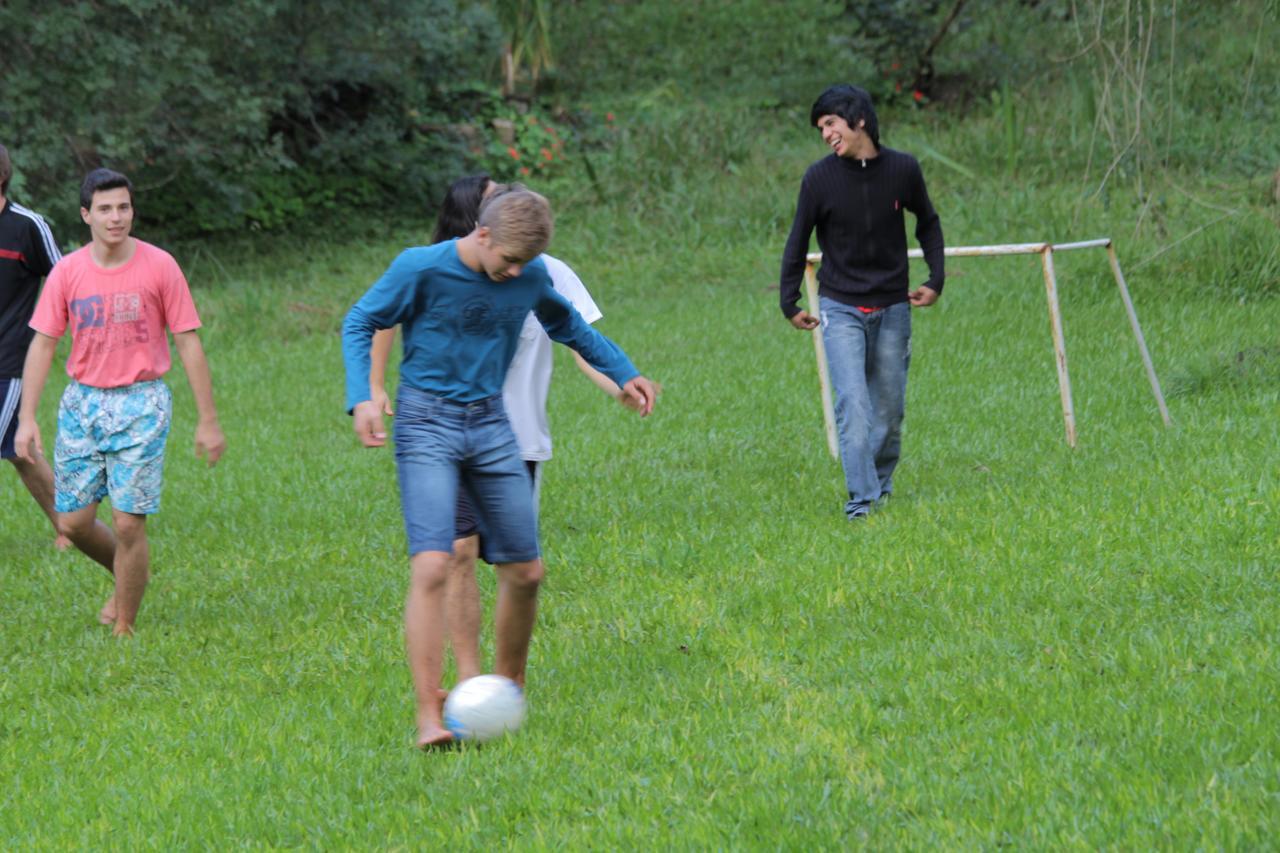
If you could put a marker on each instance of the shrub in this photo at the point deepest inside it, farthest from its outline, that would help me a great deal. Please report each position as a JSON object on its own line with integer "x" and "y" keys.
{"x": 257, "y": 118}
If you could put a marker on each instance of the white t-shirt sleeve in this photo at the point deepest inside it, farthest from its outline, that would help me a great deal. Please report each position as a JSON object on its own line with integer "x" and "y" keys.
{"x": 568, "y": 285}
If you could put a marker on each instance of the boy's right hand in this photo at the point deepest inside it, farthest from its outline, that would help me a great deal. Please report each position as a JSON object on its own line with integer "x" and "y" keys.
{"x": 367, "y": 419}
{"x": 804, "y": 321}
{"x": 27, "y": 443}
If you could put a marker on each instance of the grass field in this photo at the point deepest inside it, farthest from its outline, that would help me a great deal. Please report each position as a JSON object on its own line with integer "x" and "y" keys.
{"x": 1029, "y": 646}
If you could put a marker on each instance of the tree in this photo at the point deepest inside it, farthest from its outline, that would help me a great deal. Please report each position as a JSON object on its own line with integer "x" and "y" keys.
{"x": 223, "y": 120}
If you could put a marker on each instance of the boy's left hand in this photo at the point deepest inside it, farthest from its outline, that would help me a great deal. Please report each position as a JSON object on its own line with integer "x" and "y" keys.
{"x": 210, "y": 442}
{"x": 641, "y": 394}
{"x": 922, "y": 297}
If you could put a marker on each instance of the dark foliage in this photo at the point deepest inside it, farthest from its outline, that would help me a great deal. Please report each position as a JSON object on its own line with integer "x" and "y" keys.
{"x": 256, "y": 114}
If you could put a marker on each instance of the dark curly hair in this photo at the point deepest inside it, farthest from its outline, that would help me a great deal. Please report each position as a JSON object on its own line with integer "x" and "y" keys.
{"x": 851, "y": 104}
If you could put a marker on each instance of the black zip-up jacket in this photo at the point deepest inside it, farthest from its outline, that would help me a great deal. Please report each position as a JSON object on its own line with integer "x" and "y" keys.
{"x": 857, "y": 206}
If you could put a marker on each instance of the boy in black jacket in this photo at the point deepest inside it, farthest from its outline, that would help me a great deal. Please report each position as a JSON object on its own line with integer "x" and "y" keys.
{"x": 856, "y": 198}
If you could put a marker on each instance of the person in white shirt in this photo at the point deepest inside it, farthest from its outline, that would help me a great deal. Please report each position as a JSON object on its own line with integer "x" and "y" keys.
{"x": 525, "y": 397}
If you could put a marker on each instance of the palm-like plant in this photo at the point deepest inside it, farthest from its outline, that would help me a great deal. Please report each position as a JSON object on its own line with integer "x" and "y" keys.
{"x": 527, "y": 27}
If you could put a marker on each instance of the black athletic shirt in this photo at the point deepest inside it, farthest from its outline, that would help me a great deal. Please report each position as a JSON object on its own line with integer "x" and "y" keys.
{"x": 27, "y": 254}
{"x": 857, "y": 206}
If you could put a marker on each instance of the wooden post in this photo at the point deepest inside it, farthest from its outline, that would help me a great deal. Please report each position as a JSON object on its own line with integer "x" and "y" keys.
{"x": 828, "y": 410}
{"x": 1137, "y": 333}
{"x": 1059, "y": 347}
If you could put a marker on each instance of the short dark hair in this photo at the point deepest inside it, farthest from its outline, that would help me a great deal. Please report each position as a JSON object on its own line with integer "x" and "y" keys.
{"x": 6, "y": 170}
{"x": 851, "y": 104}
{"x": 99, "y": 180}
{"x": 460, "y": 208}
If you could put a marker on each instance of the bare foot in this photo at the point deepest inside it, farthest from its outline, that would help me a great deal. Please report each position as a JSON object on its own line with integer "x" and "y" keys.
{"x": 431, "y": 734}
{"x": 122, "y": 630}
{"x": 107, "y": 615}
{"x": 434, "y": 737}
{"x": 61, "y": 542}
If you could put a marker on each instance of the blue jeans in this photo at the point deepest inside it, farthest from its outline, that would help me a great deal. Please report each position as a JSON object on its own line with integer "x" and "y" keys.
{"x": 867, "y": 360}
{"x": 443, "y": 446}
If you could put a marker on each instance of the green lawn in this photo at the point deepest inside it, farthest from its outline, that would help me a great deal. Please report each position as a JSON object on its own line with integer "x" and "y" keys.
{"x": 1030, "y": 645}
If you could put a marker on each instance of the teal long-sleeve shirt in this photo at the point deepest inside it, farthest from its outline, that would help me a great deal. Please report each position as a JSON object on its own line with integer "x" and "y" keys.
{"x": 460, "y": 328}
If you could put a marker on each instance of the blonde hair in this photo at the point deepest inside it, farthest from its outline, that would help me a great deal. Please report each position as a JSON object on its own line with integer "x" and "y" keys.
{"x": 518, "y": 219}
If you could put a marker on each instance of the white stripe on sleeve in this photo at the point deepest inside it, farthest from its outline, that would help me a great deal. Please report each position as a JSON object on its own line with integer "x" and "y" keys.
{"x": 46, "y": 234}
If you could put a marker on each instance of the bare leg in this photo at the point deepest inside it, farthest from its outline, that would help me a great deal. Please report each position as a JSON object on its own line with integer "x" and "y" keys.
{"x": 37, "y": 476}
{"x": 424, "y": 632}
{"x": 514, "y": 616}
{"x": 132, "y": 568}
{"x": 97, "y": 541}
{"x": 463, "y": 607}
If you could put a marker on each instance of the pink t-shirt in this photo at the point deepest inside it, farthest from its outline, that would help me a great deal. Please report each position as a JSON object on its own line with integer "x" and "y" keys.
{"x": 118, "y": 316}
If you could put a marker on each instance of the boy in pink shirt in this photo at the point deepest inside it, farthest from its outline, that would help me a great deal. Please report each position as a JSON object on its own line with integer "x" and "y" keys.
{"x": 119, "y": 295}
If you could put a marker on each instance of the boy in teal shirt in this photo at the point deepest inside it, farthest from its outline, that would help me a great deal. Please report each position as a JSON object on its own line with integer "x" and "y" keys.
{"x": 461, "y": 305}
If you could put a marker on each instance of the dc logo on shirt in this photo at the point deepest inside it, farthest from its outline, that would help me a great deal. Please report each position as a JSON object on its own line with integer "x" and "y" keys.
{"x": 477, "y": 316}
{"x": 90, "y": 313}
{"x": 126, "y": 308}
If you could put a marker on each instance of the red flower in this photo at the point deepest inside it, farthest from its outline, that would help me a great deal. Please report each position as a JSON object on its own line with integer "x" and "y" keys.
{"x": 524, "y": 170}
{"x": 511, "y": 150}
{"x": 918, "y": 95}
{"x": 897, "y": 87}
{"x": 895, "y": 66}
{"x": 546, "y": 154}
{"x": 608, "y": 116}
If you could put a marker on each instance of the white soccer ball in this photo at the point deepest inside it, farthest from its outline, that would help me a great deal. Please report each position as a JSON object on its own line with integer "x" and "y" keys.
{"x": 483, "y": 708}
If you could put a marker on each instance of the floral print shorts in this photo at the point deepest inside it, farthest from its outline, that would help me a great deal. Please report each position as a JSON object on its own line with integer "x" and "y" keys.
{"x": 111, "y": 444}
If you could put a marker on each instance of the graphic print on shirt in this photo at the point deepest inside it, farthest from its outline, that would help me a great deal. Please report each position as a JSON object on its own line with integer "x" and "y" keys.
{"x": 481, "y": 317}
{"x": 89, "y": 313}
{"x": 105, "y": 331}
{"x": 477, "y": 316}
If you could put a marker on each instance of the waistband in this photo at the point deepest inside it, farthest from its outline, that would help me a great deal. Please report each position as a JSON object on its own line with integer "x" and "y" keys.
{"x": 132, "y": 387}
{"x": 485, "y": 406}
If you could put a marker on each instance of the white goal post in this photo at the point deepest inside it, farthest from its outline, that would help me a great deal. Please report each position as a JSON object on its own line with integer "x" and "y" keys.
{"x": 1045, "y": 251}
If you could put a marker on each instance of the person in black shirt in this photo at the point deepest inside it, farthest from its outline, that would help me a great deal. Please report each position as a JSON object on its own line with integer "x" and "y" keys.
{"x": 855, "y": 198}
{"x": 27, "y": 254}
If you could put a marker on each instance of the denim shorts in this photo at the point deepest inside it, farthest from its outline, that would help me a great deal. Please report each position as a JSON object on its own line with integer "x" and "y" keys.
{"x": 465, "y": 523}
{"x": 443, "y": 447}
{"x": 111, "y": 444}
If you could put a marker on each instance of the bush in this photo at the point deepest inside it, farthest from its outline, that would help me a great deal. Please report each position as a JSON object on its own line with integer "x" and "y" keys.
{"x": 280, "y": 111}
